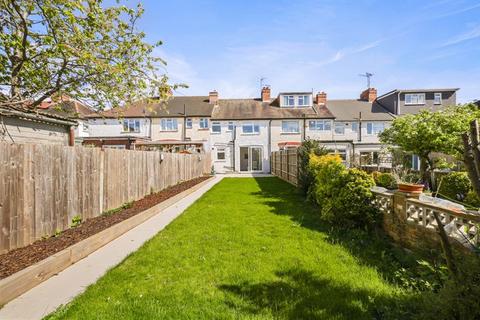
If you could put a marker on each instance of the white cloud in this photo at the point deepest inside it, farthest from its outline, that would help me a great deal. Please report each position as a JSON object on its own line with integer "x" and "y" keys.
{"x": 469, "y": 35}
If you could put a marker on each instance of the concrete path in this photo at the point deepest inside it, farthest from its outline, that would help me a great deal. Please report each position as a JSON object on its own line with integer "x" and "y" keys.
{"x": 62, "y": 288}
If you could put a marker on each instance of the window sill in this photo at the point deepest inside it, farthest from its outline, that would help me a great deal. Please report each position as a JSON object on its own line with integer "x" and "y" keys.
{"x": 216, "y": 133}
{"x": 203, "y": 129}
{"x": 168, "y": 130}
{"x": 290, "y": 133}
{"x": 126, "y": 132}
{"x": 250, "y": 134}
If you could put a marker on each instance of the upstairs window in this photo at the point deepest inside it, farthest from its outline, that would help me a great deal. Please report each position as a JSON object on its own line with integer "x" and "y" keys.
{"x": 289, "y": 101}
{"x": 131, "y": 125}
{"x": 188, "y": 123}
{"x": 303, "y": 101}
{"x": 339, "y": 128}
{"x": 216, "y": 127}
{"x": 250, "y": 128}
{"x": 320, "y": 125}
{"x": 290, "y": 127}
{"x": 169, "y": 125}
{"x": 203, "y": 123}
{"x": 230, "y": 126}
{"x": 354, "y": 126}
{"x": 415, "y": 98}
{"x": 437, "y": 98}
{"x": 375, "y": 128}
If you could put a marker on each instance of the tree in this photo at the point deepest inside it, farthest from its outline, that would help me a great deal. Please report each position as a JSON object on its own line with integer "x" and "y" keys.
{"x": 75, "y": 47}
{"x": 471, "y": 155}
{"x": 428, "y": 132}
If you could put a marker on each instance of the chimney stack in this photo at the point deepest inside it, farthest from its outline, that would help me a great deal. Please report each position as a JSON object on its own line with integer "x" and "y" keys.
{"x": 213, "y": 97}
{"x": 369, "y": 95}
{"x": 321, "y": 98}
{"x": 266, "y": 94}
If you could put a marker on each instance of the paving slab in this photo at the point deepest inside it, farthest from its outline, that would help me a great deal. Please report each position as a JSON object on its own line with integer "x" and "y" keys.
{"x": 63, "y": 287}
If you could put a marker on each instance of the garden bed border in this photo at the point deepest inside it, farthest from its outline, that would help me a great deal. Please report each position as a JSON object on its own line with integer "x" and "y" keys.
{"x": 28, "y": 278}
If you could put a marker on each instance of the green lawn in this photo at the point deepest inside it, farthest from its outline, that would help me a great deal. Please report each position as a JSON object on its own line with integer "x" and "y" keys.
{"x": 252, "y": 249}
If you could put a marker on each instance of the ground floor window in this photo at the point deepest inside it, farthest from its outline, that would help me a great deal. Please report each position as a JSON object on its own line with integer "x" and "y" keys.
{"x": 220, "y": 154}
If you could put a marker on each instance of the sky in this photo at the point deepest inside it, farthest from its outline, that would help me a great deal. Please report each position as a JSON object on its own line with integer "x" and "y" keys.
{"x": 306, "y": 45}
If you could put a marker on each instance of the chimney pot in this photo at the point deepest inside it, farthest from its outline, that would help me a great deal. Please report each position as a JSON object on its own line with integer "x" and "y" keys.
{"x": 265, "y": 94}
{"x": 369, "y": 95}
{"x": 321, "y": 98}
{"x": 213, "y": 97}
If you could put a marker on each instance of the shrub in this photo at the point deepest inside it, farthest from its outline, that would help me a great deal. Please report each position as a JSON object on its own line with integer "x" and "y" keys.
{"x": 472, "y": 199}
{"x": 385, "y": 180}
{"x": 305, "y": 176}
{"x": 343, "y": 195}
{"x": 455, "y": 185}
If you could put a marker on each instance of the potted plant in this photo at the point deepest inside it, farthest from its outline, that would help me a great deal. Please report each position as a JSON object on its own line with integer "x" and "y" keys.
{"x": 407, "y": 181}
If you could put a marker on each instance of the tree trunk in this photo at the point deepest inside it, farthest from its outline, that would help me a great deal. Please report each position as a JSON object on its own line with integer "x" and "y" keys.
{"x": 471, "y": 155}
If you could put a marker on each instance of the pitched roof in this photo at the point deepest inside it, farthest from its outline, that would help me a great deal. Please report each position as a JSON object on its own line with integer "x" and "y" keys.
{"x": 193, "y": 106}
{"x": 36, "y": 115}
{"x": 70, "y": 109}
{"x": 348, "y": 110}
{"x": 238, "y": 109}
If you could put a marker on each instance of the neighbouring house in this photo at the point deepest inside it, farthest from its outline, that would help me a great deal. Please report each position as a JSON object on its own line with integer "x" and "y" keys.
{"x": 25, "y": 125}
{"x": 73, "y": 109}
{"x": 180, "y": 124}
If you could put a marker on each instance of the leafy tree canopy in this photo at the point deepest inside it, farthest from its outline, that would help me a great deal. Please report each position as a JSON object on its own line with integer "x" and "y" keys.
{"x": 428, "y": 131}
{"x": 80, "y": 48}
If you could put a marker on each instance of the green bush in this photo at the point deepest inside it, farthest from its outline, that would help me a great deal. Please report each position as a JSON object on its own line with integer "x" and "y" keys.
{"x": 306, "y": 177}
{"x": 455, "y": 185}
{"x": 472, "y": 199}
{"x": 343, "y": 195}
{"x": 385, "y": 180}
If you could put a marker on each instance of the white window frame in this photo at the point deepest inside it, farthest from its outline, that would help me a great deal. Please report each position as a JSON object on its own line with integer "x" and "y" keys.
{"x": 303, "y": 100}
{"x": 189, "y": 123}
{"x": 375, "y": 128}
{"x": 415, "y": 98}
{"x": 320, "y": 125}
{"x": 203, "y": 123}
{"x": 127, "y": 125}
{"x": 339, "y": 125}
{"x": 356, "y": 125}
{"x": 255, "y": 128}
{"x": 287, "y": 99}
{"x": 230, "y": 126}
{"x": 439, "y": 95}
{"x": 219, "y": 151}
{"x": 286, "y": 129}
{"x": 216, "y": 124}
{"x": 168, "y": 124}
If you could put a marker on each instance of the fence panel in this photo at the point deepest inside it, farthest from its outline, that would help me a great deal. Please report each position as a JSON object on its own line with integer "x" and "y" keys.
{"x": 284, "y": 164}
{"x": 42, "y": 187}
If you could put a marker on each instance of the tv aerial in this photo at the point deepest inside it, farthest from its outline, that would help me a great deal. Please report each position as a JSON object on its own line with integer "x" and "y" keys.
{"x": 367, "y": 75}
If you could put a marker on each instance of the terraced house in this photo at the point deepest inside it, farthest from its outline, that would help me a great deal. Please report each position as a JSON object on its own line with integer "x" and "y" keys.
{"x": 242, "y": 133}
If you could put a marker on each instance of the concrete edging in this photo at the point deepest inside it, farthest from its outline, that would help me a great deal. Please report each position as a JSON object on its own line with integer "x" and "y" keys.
{"x": 24, "y": 280}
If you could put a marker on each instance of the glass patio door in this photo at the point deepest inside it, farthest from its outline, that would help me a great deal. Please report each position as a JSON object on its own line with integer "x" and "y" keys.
{"x": 250, "y": 159}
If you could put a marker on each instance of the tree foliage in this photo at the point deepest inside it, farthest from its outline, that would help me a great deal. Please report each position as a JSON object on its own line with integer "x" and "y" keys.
{"x": 428, "y": 132}
{"x": 305, "y": 175}
{"x": 80, "y": 48}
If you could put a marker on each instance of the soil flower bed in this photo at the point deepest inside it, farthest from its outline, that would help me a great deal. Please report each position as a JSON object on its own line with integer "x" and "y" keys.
{"x": 18, "y": 259}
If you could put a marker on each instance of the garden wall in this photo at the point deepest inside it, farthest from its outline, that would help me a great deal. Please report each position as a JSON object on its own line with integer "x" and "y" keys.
{"x": 411, "y": 222}
{"x": 42, "y": 187}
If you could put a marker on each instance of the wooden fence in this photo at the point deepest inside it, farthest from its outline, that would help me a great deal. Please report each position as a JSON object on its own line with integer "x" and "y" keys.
{"x": 284, "y": 164}
{"x": 42, "y": 187}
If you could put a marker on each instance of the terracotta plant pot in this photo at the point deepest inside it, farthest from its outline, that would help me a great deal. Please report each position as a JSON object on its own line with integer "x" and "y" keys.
{"x": 410, "y": 187}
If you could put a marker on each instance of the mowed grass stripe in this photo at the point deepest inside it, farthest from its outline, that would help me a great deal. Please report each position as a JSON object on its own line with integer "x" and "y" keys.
{"x": 250, "y": 248}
